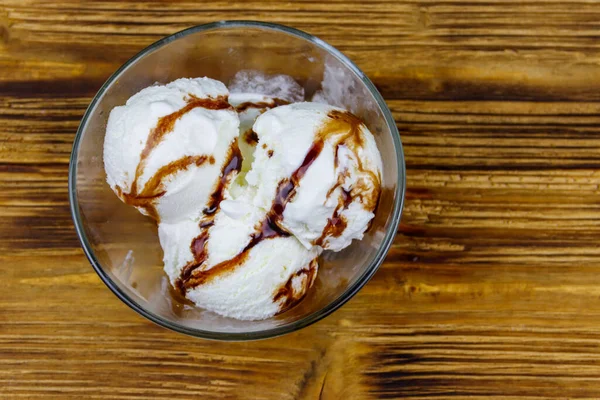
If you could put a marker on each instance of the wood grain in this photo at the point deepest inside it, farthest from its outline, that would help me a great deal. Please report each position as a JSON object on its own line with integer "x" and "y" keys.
{"x": 492, "y": 286}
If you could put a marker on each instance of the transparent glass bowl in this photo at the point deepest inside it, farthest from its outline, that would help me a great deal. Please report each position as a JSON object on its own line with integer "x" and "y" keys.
{"x": 122, "y": 245}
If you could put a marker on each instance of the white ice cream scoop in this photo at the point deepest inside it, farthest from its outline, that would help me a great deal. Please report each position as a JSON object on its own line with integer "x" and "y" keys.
{"x": 322, "y": 165}
{"x": 165, "y": 149}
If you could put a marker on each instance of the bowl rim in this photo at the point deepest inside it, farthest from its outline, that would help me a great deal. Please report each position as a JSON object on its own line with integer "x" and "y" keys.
{"x": 309, "y": 319}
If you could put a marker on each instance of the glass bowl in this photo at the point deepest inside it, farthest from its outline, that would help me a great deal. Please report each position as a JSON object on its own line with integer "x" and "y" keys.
{"x": 122, "y": 245}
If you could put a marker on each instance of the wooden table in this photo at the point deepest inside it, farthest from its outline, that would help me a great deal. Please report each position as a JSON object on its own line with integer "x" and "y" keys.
{"x": 492, "y": 287}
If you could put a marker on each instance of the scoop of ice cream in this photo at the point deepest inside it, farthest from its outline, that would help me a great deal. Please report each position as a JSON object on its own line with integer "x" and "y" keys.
{"x": 245, "y": 277}
{"x": 165, "y": 149}
{"x": 272, "y": 276}
{"x": 240, "y": 266}
{"x": 320, "y": 168}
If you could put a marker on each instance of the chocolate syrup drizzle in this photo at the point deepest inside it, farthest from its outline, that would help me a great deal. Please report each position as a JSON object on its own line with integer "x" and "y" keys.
{"x": 347, "y": 130}
{"x": 337, "y": 223}
{"x": 153, "y": 188}
{"x": 198, "y": 245}
{"x": 286, "y": 294}
{"x": 275, "y": 102}
{"x": 250, "y": 137}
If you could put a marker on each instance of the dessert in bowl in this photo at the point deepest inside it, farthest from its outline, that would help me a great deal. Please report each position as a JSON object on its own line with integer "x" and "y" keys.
{"x": 267, "y": 174}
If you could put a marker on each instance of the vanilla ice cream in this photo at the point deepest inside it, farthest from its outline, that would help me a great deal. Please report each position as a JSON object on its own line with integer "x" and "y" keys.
{"x": 322, "y": 164}
{"x": 238, "y": 272}
{"x": 247, "y": 189}
{"x": 166, "y": 147}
